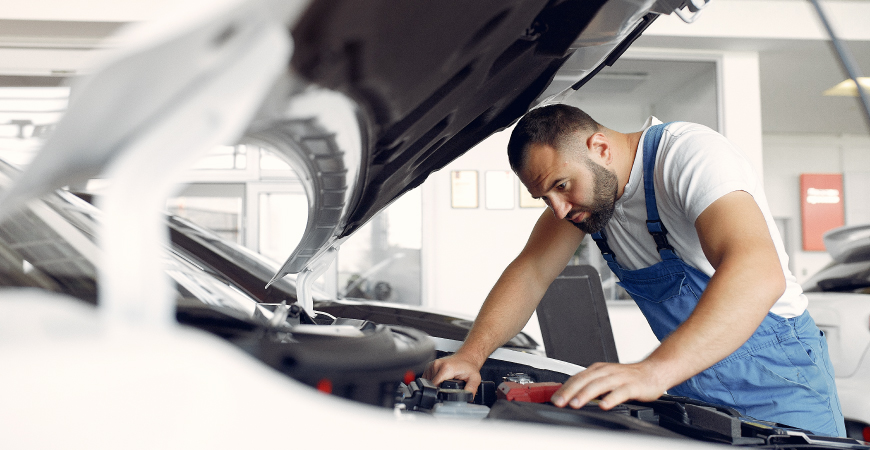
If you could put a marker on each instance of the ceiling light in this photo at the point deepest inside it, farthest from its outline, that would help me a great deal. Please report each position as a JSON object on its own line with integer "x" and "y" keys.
{"x": 847, "y": 88}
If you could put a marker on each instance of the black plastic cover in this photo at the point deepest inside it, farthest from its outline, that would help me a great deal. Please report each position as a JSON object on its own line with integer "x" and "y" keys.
{"x": 574, "y": 321}
{"x": 368, "y": 368}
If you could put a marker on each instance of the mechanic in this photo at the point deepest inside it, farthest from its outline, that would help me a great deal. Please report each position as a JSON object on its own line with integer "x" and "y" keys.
{"x": 683, "y": 222}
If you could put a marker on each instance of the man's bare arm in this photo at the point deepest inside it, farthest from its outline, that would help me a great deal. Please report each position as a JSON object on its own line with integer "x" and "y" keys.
{"x": 512, "y": 300}
{"x": 748, "y": 281}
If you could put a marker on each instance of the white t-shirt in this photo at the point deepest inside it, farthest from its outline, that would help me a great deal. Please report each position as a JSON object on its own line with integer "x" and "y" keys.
{"x": 694, "y": 167}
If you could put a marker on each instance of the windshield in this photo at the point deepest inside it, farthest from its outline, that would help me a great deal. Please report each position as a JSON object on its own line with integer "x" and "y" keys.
{"x": 40, "y": 249}
{"x": 247, "y": 269}
{"x": 50, "y": 244}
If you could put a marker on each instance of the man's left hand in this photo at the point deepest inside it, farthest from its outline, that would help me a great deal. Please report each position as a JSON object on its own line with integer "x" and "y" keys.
{"x": 620, "y": 382}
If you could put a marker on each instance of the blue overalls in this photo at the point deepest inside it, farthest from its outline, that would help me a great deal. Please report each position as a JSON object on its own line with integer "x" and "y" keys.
{"x": 781, "y": 374}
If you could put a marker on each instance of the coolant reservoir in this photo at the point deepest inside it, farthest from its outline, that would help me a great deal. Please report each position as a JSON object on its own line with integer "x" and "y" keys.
{"x": 455, "y": 405}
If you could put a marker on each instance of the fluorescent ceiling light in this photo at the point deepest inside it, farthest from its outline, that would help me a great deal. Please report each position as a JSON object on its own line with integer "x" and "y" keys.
{"x": 848, "y": 89}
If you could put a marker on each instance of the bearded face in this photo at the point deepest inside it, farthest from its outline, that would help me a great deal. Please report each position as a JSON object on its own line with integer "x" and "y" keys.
{"x": 573, "y": 185}
{"x": 604, "y": 200}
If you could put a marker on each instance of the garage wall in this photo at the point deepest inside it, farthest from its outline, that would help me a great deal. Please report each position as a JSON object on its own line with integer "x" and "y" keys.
{"x": 620, "y": 117}
{"x": 697, "y": 102}
{"x": 788, "y": 156}
{"x": 466, "y": 250}
{"x": 741, "y": 104}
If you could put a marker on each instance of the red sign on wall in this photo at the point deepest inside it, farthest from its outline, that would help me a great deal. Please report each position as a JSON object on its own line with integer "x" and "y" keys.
{"x": 821, "y": 207}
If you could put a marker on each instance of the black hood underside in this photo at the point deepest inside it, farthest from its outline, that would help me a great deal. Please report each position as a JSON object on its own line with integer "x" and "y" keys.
{"x": 433, "y": 79}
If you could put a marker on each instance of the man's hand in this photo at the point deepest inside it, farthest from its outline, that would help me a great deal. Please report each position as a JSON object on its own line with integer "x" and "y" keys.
{"x": 621, "y": 382}
{"x": 454, "y": 367}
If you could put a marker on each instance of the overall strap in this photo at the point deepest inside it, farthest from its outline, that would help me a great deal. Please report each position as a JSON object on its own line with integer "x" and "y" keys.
{"x": 653, "y": 223}
{"x": 600, "y": 239}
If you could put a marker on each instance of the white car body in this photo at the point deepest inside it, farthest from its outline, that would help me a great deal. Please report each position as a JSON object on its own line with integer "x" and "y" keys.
{"x": 839, "y": 301}
{"x": 845, "y": 320}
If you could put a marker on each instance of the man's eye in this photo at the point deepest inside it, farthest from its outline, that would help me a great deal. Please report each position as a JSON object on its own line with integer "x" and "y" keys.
{"x": 562, "y": 185}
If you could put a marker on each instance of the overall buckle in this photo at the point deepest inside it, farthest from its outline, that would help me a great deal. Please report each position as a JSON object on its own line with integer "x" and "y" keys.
{"x": 659, "y": 234}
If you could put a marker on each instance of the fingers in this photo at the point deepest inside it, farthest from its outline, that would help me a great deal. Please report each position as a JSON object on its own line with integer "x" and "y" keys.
{"x": 438, "y": 371}
{"x": 431, "y": 369}
{"x": 449, "y": 368}
{"x": 472, "y": 382}
{"x": 616, "y": 397}
{"x": 582, "y": 387}
{"x": 616, "y": 382}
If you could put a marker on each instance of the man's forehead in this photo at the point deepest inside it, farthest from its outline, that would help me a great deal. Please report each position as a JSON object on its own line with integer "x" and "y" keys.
{"x": 543, "y": 160}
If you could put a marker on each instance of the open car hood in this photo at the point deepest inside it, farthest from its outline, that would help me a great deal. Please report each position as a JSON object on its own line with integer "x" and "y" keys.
{"x": 427, "y": 82}
{"x": 422, "y": 82}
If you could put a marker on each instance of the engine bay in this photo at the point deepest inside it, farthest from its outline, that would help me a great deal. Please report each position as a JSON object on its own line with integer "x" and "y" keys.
{"x": 521, "y": 393}
{"x": 382, "y": 365}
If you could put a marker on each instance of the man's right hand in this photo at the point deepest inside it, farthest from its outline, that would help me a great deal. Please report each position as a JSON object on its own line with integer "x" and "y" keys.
{"x": 454, "y": 367}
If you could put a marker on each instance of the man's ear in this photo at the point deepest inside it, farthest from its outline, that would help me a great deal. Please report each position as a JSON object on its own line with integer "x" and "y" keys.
{"x": 599, "y": 148}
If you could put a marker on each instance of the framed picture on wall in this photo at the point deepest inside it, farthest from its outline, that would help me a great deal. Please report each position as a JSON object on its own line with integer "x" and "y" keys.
{"x": 499, "y": 189}
{"x": 463, "y": 189}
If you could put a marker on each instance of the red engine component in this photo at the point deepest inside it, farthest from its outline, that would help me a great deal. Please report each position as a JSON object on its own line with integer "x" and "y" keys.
{"x": 530, "y": 392}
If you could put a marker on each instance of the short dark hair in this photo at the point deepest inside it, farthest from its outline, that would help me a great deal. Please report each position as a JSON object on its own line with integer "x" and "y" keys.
{"x": 548, "y": 125}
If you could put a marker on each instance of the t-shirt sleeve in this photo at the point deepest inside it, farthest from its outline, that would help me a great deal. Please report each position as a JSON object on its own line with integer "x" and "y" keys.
{"x": 700, "y": 166}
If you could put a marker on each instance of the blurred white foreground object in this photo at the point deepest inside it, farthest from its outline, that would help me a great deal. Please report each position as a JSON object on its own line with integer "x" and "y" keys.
{"x": 178, "y": 87}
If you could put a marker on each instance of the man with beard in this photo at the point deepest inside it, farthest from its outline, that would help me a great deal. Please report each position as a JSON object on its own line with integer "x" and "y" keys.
{"x": 683, "y": 222}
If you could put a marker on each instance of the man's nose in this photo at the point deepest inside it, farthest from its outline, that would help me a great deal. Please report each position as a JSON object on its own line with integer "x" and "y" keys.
{"x": 560, "y": 208}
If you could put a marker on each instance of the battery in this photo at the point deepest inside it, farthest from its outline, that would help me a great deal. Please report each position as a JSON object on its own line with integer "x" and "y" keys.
{"x": 529, "y": 392}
